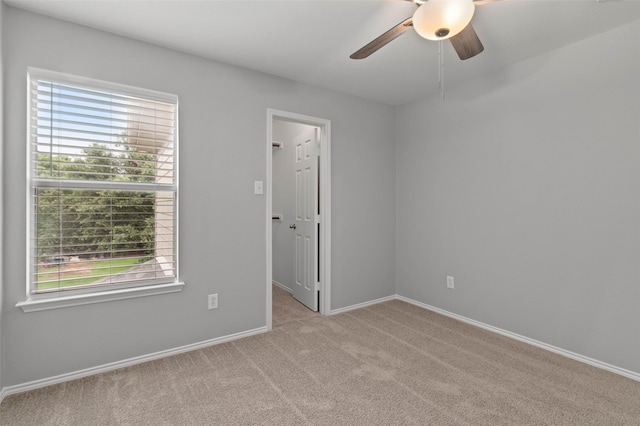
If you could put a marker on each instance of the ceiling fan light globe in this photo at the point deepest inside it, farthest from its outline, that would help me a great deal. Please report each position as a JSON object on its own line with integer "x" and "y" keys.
{"x": 434, "y": 16}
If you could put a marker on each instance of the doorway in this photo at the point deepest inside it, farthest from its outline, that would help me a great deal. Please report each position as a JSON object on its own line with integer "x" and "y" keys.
{"x": 308, "y": 258}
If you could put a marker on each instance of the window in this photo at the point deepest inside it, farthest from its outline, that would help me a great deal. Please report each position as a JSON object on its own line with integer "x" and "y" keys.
{"x": 103, "y": 186}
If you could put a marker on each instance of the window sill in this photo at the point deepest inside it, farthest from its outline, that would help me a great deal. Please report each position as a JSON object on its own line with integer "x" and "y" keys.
{"x": 34, "y": 305}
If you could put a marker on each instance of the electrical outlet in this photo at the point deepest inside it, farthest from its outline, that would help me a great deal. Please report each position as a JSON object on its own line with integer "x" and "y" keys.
{"x": 450, "y": 282}
{"x": 213, "y": 301}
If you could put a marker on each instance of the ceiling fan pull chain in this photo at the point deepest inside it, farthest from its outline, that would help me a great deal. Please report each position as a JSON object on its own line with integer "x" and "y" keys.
{"x": 440, "y": 65}
{"x": 441, "y": 69}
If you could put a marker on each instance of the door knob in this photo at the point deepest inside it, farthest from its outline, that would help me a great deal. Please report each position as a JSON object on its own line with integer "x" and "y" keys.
{"x": 292, "y": 226}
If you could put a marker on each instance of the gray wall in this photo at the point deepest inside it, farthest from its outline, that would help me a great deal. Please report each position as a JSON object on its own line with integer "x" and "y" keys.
{"x": 223, "y": 113}
{"x": 1, "y": 185}
{"x": 524, "y": 185}
{"x": 283, "y": 199}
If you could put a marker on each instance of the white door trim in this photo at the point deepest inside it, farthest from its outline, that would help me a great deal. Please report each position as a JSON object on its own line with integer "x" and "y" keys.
{"x": 325, "y": 205}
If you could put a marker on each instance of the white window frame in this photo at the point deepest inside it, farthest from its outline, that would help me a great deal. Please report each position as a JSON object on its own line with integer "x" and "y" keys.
{"x": 67, "y": 298}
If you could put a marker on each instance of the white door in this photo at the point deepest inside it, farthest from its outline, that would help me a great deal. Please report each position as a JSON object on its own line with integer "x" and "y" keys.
{"x": 305, "y": 287}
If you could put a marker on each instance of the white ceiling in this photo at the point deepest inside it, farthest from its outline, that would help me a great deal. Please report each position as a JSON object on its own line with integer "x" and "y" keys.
{"x": 310, "y": 40}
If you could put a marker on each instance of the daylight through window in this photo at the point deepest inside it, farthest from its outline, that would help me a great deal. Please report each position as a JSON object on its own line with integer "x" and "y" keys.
{"x": 103, "y": 185}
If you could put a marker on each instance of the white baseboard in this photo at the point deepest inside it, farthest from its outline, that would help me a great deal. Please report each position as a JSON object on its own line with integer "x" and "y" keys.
{"x": 577, "y": 357}
{"x": 9, "y": 390}
{"x": 282, "y": 286}
{"x": 362, "y": 305}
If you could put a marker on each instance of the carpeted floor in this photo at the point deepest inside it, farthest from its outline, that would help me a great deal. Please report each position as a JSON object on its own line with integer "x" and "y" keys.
{"x": 388, "y": 364}
{"x": 286, "y": 309}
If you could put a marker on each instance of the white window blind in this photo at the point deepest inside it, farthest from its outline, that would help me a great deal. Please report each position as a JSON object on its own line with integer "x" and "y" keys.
{"x": 103, "y": 184}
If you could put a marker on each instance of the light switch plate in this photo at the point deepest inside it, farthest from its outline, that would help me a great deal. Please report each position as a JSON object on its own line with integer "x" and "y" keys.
{"x": 257, "y": 187}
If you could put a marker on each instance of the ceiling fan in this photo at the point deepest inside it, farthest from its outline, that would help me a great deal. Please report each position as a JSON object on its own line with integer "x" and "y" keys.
{"x": 436, "y": 20}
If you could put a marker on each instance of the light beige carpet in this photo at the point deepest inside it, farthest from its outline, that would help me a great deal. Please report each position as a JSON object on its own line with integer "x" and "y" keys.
{"x": 388, "y": 364}
{"x": 286, "y": 309}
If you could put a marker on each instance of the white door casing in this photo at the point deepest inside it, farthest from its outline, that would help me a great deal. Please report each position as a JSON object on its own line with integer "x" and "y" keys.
{"x": 305, "y": 225}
